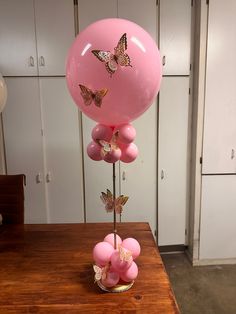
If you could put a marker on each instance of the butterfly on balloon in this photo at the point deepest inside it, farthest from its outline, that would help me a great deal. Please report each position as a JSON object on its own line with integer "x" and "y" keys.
{"x": 107, "y": 147}
{"x": 124, "y": 255}
{"x": 111, "y": 204}
{"x": 100, "y": 273}
{"x": 89, "y": 96}
{"x": 120, "y": 57}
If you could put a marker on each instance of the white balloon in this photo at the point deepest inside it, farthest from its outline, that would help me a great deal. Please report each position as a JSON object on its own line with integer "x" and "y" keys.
{"x": 3, "y": 93}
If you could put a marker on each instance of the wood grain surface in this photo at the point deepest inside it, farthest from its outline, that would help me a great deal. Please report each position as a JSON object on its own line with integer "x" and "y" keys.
{"x": 48, "y": 269}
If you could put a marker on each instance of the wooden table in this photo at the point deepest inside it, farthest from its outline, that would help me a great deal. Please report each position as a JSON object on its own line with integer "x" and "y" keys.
{"x": 48, "y": 269}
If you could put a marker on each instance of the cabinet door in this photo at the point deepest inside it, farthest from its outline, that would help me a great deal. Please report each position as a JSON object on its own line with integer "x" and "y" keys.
{"x": 219, "y": 141}
{"x": 218, "y": 216}
{"x": 90, "y": 11}
{"x": 23, "y": 142}
{"x": 98, "y": 175}
{"x": 173, "y": 160}
{"x": 62, "y": 151}
{"x": 55, "y": 33}
{"x": 17, "y": 38}
{"x": 133, "y": 10}
{"x": 175, "y": 32}
{"x": 138, "y": 179}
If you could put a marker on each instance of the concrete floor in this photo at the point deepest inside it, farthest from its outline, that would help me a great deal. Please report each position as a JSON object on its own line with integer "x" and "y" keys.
{"x": 203, "y": 289}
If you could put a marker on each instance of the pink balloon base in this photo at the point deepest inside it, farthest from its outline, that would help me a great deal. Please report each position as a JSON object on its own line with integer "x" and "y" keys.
{"x": 120, "y": 287}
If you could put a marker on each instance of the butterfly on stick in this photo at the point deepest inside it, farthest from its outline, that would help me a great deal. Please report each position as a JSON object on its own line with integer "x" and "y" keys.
{"x": 89, "y": 96}
{"x": 111, "y": 204}
{"x": 120, "y": 57}
{"x": 100, "y": 273}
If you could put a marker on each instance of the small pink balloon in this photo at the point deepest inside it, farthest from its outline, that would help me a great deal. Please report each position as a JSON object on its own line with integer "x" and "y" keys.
{"x": 129, "y": 153}
{"x": 102, "y": 253}
{"x": 126, "y": 133}
{"x": 102, "y": 132}
{"x": 130, "y": 274}
{"x": 94, "y": 151}
{"x": 118, "y": 264}
{"x": 113, "y": 156}
{"x": 112, "y": 279}
{"x": 133, "y": 246}
{"x": 110, "y": 239}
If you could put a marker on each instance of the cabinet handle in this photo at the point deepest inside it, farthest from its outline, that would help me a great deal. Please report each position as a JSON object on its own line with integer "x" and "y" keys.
{"x": 31, "y": 61}
{"x": 38, "y": 178}
{"x": 232, "y": 153}
{"x": 41, "y": 61}
{"x": 164, "y": 60}
{"x": 162, "y": 174}
{"x": 48, "y": 177}
{"x": 123, "y": 176}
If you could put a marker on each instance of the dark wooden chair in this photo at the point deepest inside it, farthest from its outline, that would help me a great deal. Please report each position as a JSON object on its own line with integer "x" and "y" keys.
{"x": 12, "y": 198}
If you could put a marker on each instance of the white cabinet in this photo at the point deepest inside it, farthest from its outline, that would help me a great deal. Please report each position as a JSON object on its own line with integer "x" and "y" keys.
{"x": 143, "y": 13}
{"x": 35, "y": 36}
{"x": 218, "y": 217}
{"x": 219, "y": 142}
{"x": 42, "y": 141}
{"x": 54, "y": 24}
{"x": 173, "y": 160}
{"x": 24, "y": 145}
{"x": 17, "y": 38}
{"x": 175, "y": 32}
{"x": 90, "y": 11}
{"x": 138, "y": 179}
{"x": 62, "y": 151}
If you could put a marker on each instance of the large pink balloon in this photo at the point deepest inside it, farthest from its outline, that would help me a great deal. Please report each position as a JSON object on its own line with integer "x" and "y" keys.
{"x": 131, "y": 89}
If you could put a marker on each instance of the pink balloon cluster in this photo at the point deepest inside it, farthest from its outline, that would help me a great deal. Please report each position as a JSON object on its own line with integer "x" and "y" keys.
{"x": 113, "y": 143}
{"x": 115, "y": 265}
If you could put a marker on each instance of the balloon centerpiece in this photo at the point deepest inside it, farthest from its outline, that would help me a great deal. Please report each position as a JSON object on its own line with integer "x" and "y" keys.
{"x": 113, "y": 74}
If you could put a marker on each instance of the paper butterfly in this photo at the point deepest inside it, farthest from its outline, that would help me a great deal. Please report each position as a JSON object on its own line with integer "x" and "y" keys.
{"x": 118, "y": 58}
{"x": 124, "y": 254}
{"x": 107, "y": 147}
{"x": 100, "y": 273}
{"x": 89, "y": 96}
{"x": 108, "y": 200}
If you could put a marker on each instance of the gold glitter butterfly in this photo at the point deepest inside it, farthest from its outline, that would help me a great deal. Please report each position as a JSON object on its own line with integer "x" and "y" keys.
{"x": 89, "y": 96}
{"x": 107, "y": 147}
{"x": 108, "y": 201}
{"x": 125, "y": 255}
{"x": 100, "y": 273}
{"x": 118, "y": 58}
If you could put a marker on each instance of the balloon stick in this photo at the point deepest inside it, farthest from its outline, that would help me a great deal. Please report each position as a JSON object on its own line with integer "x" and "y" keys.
{"x": 114, "y": 200}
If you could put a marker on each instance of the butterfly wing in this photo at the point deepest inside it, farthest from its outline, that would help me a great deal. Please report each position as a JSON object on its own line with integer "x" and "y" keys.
{"x": 99, "y": 95}
{"x": 124, "y": 255}
{"x": 120, "y": 202}
{"x": 87, "y": 94}
{"x": 111, "y": 65}
{"x": 103, "y": 56}
{"x": 110, "y": 203}
{"x": 107, "y": 199}
{"x": 121, "y": 46}
{"x": 98, "y": 273}
{"x": 122, "y": 58}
